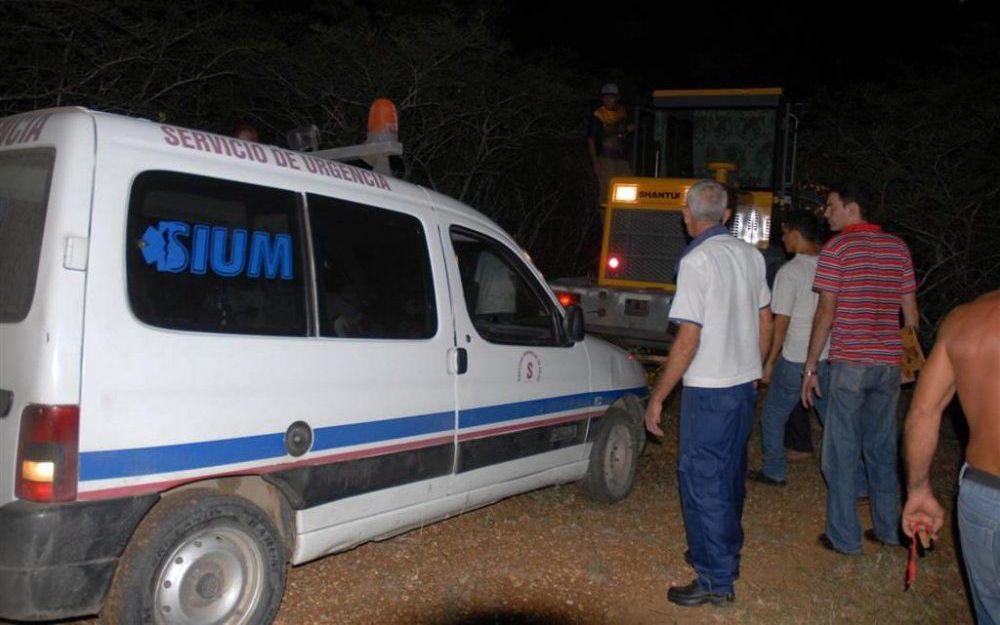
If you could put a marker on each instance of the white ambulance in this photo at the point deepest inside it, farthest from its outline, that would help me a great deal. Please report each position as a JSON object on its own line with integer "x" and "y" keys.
{"x": 219, "y": 357}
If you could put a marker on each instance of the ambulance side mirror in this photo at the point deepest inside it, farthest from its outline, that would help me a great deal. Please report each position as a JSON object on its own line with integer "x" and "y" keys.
{"x": 574, "y": 323}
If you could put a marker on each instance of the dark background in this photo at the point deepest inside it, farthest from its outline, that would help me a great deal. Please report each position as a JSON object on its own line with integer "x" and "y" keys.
{"x": 672, "y": 45}
{"x": 493, "y": 97}
{"x": 800, "y": 46}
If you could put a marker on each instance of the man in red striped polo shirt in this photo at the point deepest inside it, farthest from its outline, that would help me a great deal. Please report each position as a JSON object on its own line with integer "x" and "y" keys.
{"x": 864, "y": 277}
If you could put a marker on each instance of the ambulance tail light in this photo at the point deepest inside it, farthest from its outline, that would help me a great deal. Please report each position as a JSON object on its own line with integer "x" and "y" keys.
{"x": 48, "y": 453}
{"x": 566, "y": 299}
{"x": 614, "y": 263}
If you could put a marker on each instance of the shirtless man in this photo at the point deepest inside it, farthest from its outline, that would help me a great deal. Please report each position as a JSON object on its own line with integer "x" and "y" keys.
{"x": 966, "y": 358}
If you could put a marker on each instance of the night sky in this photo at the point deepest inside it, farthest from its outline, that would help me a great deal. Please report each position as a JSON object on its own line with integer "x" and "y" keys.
{"x": 801, "y": 46}
{"x": 715, "y": 44}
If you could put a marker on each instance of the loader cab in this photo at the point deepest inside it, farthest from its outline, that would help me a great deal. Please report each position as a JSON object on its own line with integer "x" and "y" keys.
{"x": 744, "y": 138}
{"x": 752, "y": 128}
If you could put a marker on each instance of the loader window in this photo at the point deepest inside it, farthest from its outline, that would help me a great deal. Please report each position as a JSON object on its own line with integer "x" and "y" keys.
{"x": 690, "y": 139}
{"x": 24, "y": 191}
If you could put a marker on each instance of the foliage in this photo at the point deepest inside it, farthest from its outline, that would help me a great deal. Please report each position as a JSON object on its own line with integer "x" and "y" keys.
{"x": 498, "y": 132}
{"x": 927, "y": 144}
{"x": 175, "y": 61}
{"x": 478, "y": 124}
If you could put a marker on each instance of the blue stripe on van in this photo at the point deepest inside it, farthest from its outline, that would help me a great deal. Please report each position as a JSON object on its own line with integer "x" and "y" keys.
{"x": 103, "y": 465}
{"x": 377, "y": 431}
{"x": 119, "y": 463}
{"x": 488, "y": 415}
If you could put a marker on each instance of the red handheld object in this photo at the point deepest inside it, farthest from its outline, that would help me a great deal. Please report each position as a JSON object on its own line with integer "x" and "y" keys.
{"x": 911, "y": 565}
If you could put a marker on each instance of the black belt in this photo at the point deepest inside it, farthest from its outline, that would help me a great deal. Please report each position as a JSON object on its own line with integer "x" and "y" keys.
{"x": 984, "y": 478}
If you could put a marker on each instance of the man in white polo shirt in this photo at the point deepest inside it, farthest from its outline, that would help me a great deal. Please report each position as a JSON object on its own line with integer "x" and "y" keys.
{"x": 794, "y": 303}
{"x": 722, "y": 309}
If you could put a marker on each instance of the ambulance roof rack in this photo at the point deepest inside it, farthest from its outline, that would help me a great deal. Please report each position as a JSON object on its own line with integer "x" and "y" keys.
{"x": 382, "y": 141}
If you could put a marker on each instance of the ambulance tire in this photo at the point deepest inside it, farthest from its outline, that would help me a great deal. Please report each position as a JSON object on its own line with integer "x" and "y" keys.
{"x": 201, "y": 557}
{"x": 613, "y": 459}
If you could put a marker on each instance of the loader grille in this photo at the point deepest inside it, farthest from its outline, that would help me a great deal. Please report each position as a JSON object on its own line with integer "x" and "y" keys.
{"x": 648, "y": 243}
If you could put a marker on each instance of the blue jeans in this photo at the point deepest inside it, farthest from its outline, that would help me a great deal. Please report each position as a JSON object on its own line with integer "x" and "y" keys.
{"x": 861, "y": 422}
{"x": 715, "y": 426}
{"x": 979, "y": 531}
{"x": 783, "y": 393}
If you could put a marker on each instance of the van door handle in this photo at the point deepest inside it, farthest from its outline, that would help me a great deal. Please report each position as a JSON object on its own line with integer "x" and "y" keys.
{"x": 459, "y": 360}
{"x": 6, "y": 401}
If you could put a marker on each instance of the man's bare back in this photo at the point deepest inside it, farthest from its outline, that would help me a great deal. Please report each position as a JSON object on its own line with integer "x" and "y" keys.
{"x": 970, "y": 336}
{"x": 966, "y": 358}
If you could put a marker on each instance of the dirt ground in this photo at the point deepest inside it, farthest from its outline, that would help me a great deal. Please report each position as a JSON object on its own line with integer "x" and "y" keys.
{"x": 552, "y": 556}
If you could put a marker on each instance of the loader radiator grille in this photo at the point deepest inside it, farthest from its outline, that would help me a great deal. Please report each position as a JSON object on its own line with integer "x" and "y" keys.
{"x": 648, "y": 243}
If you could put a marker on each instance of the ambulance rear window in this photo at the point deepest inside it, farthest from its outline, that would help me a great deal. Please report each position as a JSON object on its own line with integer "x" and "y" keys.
{"x": 24, "y": 190}
{"x": 210, "y": 255}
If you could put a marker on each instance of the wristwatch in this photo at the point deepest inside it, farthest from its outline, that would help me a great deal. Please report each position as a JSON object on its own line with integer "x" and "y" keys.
{"x": 808, "y": 372}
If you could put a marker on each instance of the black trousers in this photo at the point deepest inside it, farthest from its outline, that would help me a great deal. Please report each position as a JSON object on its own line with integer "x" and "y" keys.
{"x": 798, "y": 430}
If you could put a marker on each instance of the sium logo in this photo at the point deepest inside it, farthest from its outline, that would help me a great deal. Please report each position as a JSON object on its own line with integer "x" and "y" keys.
{"x": 176, "y": 247}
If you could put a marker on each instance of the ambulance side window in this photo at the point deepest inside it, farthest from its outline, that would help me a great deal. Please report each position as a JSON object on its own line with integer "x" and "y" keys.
{"x": 501, "y": 296}
{"x": 211, "y": 255}
{"x": 25, "y": 176}
{"x": 373, "y": 271}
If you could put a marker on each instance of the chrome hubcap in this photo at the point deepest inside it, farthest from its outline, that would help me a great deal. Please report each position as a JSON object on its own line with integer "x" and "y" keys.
{"x": 618, "y": 458}
{"x": 214, "y": 577}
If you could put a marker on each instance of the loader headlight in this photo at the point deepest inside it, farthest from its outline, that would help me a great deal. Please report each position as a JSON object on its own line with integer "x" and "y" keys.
{"x": 626, "y": 193}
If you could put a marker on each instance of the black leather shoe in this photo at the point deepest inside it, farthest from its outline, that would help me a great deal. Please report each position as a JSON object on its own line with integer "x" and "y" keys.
{"x": 763, "y": 478}
{"x": 826, "y": 543}
{"x": 694, "y": 595}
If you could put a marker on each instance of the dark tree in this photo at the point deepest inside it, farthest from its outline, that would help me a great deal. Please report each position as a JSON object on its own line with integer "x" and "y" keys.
{"x": 499, "y": 132}
{"x": 928, "y": 144}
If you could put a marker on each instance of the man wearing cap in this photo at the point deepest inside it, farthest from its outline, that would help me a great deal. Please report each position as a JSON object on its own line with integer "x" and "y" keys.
{"x": 607, "y": 132}
{"x": 724, "y": 330}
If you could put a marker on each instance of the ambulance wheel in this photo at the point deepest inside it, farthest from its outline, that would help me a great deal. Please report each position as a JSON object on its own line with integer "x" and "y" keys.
{"x": 200, "y": 559}
{"x": 611, "y": 473}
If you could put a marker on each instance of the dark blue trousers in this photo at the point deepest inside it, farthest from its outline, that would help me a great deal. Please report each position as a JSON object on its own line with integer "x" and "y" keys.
{"x": 715, "y": 426}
